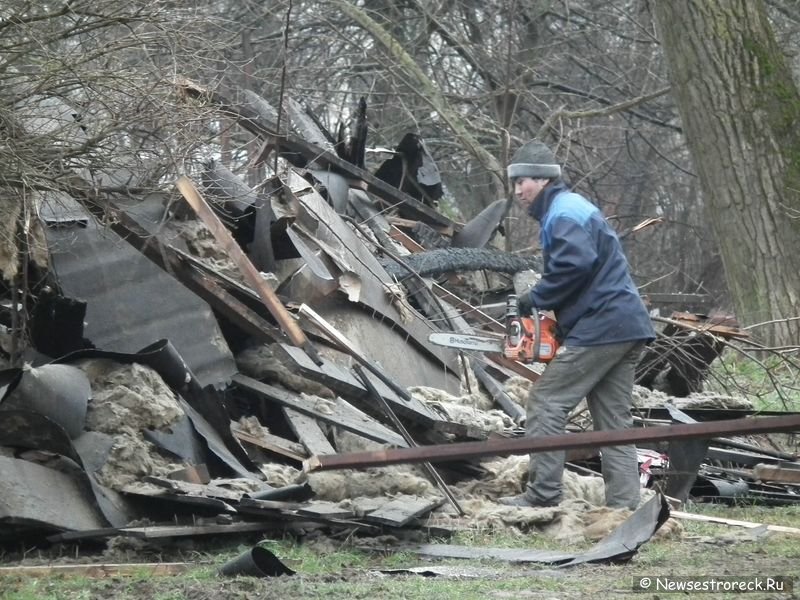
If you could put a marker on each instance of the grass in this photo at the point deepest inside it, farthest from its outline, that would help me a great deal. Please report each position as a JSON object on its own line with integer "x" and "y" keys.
{"x": 772, "y": 383}
{"x": 327, "y": 571}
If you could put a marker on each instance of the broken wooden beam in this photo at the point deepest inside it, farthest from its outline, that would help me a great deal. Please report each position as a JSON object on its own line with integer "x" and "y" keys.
{"x": 272, "y": 443}
{"x": 152, "y": 532}
{"x": 248, "y": 270}
{"x": 525, "y": 445}
{"x": 399, "y": 512}
{"x": 309, "y": 432}
{"x": 777, "y": 473}
{"x": 733, "y": 522}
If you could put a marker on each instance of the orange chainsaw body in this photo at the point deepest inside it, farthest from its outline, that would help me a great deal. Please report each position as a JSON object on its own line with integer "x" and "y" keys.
{"x": 522, "y": 342}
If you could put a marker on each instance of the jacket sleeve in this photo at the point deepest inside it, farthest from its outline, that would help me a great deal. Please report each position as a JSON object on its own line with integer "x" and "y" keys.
{"x": 571, "y": 261}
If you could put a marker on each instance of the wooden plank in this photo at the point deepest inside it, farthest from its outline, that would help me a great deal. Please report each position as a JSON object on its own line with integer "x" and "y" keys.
{"x": 197, "y": 490}
{"x": 100, "y": 570}
{"x": 309, "y": 432}
{"x": 353, "y": 422}
{"x": 344, "y": 383}
{"x": 248, "y": 271}
{"x": 273, "y": 443}
{"x": 411, "y": 224}
{"x": 162, "y": 531}
{"x": 733, "y": 522}
{"x": 407, "y": 241}
{"x": 362, "y": 415}
{"x": 400, "y": 511}
{"x": 776, "y": 473}
{"x": 325, "y": 510}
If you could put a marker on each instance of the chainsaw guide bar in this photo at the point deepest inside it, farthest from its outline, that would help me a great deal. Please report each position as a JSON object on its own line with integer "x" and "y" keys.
{"x": 467, "y": 342}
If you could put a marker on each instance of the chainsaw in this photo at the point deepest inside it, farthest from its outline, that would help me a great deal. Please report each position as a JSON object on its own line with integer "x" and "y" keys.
{"x": 527, "y": 339}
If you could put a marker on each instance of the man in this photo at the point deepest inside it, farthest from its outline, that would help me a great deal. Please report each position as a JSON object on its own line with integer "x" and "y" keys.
{"x": 602, "y": 322}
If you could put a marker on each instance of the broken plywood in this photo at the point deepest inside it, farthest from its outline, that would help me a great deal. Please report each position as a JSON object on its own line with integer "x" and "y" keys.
{"x": 343, "y": 382}
{"x": 309, "y": 432}
{"x": 354, "y": 258}
{"x": 336, "y": 412}
{"x": 401, "y": 511}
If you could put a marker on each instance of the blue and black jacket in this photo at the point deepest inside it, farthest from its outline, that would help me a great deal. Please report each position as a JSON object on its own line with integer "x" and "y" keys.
{"x": 586, "y": 280}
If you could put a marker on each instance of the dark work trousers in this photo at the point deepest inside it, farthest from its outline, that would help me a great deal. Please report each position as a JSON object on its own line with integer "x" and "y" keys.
{"x": 604, "y": 376}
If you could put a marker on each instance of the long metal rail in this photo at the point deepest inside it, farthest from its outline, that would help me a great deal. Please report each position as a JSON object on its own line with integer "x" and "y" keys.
{"x": 592, "y": 439}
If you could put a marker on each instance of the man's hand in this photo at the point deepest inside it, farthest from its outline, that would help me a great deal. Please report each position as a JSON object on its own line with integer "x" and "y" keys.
{"x": 525, "y": 305}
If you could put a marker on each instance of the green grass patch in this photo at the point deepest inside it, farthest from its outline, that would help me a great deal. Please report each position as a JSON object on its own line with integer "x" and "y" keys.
{"x": 772, "y": 383}
{"x": 336, "y": 569}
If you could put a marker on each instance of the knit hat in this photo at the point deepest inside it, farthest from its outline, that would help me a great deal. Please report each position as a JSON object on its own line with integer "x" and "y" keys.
{"x": 536, "y": 160}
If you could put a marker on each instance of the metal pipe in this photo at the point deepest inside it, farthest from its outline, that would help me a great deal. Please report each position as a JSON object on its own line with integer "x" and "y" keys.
{"x": 592, "y": 439}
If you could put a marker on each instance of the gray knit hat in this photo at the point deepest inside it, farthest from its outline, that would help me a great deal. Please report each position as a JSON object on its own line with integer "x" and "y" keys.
{"x": 536, "y": 160}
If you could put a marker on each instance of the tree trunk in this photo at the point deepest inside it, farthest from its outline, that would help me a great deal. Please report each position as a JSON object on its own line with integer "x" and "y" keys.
{"x": 741, "y": 113}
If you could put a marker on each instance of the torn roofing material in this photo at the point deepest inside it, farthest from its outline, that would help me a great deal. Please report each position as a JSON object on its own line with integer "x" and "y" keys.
{"x": 131, "y": 302}
{"x": 620, "y": 545}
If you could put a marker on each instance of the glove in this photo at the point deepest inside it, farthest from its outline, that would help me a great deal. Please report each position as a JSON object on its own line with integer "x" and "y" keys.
{"x": 525, "y": 305}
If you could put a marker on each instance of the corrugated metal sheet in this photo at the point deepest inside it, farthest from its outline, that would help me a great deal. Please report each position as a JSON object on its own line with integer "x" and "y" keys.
{"x": 132, "y": 303}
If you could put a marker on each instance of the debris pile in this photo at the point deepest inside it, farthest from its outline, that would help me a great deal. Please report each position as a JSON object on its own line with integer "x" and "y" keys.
{"x": 192, "y": 352}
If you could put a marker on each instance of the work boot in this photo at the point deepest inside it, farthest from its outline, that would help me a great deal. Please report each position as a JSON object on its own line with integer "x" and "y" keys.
{"x": 525, "y": 501}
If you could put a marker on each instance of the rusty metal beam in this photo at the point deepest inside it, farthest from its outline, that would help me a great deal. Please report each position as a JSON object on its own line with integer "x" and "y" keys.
{"x": 592, "y": 439}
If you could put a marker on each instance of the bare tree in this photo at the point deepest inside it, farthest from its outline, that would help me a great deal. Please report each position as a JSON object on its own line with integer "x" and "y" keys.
{"x": 87, "y": 94}
{"x": 741, "y": 109}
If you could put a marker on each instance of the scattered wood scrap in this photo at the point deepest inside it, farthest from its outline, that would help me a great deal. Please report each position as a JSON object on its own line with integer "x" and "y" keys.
{"x": 401, "y": 511}
{"x": 734, "y": 522}
{"x": 102, "y": 570}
